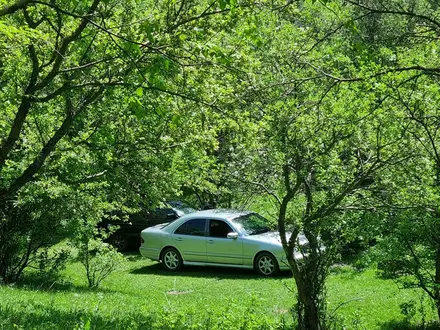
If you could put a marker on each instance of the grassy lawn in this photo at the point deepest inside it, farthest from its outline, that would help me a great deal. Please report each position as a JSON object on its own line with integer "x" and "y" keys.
{"x": 143, "y": 296}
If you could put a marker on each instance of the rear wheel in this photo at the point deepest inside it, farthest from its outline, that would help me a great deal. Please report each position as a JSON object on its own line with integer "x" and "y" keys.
{"x": 171, "y": 259}
{"x": 120, "y": 242}
{"x": 266, "y": 264}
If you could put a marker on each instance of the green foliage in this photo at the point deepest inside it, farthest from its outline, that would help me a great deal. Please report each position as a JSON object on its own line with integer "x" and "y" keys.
{"x": 319, "y": 144}
{"x": 104, "y": 111}
{"x": 328, "y": 107}
{"x": 84, "y": 320}
{"x": 47, "y": 214}
{"x": 99, "y": 260}
{"x": 51, "y": 262}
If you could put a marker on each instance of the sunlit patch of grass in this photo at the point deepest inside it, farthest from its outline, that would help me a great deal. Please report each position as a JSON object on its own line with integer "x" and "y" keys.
{"x": 143, "y": 296}
{"x": 363, "y": 298}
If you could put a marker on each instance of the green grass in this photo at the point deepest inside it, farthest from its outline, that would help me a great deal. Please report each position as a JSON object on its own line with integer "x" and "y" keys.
{"x": 361, "y": 297}
{"x": 143, "y": 296}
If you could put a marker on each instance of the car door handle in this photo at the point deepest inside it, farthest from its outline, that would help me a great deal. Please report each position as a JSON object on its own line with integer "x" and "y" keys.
{"x": 210, "y": 241}
{"x": 179, "y": 239}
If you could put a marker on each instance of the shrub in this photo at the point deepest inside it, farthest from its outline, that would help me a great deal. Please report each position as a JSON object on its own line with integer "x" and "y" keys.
{"x": 51, "y": 262}
{"x": 100, "y": 259}
{"x": 41, "y": 216}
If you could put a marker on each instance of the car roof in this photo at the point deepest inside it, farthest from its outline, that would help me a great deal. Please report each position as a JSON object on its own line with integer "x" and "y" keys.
{"x": 218, "y": 214}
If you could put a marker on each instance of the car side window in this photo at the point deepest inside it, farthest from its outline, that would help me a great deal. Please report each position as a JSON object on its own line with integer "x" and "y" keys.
{"x": 194, "y": 227}
{"x": 219, "y": 228}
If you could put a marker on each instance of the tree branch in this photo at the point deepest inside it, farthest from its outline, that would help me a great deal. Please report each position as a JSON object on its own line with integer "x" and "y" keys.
{"x": 205, "y": 13}
{"x": 61, "y": 52}
{"x": 261, "y": 185}
{"x": 426, "y": 70}
{"x": 22, "y": 111}
{"x": 395, "y": 12}
{"x": 87, "y": 65}
{"x": 49, "y": 147}
{"x": 7, "y": 10}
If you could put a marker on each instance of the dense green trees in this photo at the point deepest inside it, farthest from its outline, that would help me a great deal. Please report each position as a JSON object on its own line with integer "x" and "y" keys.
{"x": 327, "y": 107}
{"x": 320, "y": 143}
{"x": 408, "y": 31}
{"x": 98, "y": 98}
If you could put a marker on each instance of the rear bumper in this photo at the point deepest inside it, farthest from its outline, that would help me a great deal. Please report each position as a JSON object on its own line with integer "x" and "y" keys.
{"x": 150, "y": 253}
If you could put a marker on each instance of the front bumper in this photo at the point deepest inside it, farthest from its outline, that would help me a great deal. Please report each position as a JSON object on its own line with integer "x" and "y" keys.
{"x": 283, "y": 264}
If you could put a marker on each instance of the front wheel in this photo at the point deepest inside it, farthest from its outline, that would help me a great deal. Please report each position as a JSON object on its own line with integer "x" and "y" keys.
{"x": 171, "y": 260}
{"x": 266, "y": 264}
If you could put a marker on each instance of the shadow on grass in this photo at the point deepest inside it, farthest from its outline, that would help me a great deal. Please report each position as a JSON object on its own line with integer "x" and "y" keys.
{"x": 35, "y": 283}
{"x": 207, "y": 272}
{"x": 132, "y": 256}
{"x": 39, "y": 316}
{"x": 404, "y": 325}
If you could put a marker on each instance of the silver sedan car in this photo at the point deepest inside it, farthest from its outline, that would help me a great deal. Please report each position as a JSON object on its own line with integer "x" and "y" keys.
{"x": 218, "y": 237}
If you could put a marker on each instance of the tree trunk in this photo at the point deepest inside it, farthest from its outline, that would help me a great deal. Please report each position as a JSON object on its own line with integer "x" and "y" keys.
{"x": 437, "y": 281}
{"x": 438, "y": 310}
{"x": 307, "y": 309}
{"x": 310, "y": 306}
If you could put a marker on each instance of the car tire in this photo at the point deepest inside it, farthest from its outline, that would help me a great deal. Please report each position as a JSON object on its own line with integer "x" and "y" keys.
{"x": 120, "y": 242}
{"x": 266, "y": 264}
{"x": 171, "y": 260}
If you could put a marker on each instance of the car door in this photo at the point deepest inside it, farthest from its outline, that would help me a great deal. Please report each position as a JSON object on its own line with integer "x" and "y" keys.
{"x": 190, "y": 239}
{"x": 219, "y": 248}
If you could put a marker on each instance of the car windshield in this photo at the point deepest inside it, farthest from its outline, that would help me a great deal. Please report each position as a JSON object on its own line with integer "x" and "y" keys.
{"x": 252, "y": 224}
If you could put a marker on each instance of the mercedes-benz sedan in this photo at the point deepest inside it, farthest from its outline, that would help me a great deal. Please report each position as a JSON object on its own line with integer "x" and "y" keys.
{"x": 225, "y": 238}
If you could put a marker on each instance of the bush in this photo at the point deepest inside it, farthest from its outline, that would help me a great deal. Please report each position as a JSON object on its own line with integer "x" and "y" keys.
{"x": 51, "y": 262}
{"x": 100, "y": 259}
{"x": 26, "y": 231}
{"x": 43, "y": 214}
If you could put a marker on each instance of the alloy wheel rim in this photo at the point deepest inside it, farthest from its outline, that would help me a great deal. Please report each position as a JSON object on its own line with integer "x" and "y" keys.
{"x": 171, "y": 260}
{"x": 266, "y": 265}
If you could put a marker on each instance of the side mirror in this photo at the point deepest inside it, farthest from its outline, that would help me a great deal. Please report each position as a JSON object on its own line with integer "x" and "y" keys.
{"x": 232, "y": 235}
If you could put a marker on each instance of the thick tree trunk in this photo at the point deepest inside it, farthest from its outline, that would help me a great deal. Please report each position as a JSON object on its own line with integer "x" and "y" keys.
{"x": 437, "y": 281}
{"x": 308, "y": 317}
{"x": 310, "y": 306}
{"x": 438, "y": 310}
{"x": 308, "y": 313}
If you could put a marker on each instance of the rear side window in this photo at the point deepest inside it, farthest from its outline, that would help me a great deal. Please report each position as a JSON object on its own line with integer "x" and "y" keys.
{"x": 194, "y": 227}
